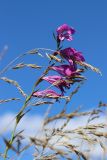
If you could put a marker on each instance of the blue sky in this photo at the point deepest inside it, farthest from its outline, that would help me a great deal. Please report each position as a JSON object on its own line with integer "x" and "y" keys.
{"x": 25, "y": 25}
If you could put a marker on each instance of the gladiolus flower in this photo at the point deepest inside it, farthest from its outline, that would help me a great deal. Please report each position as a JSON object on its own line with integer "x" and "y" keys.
{"x": 65, "y": 32}
{"x": 65, "y": 70}
{"x": 71, "y": 55}
{"x": 46, "y": 94}
{"x": 57, "y": 81}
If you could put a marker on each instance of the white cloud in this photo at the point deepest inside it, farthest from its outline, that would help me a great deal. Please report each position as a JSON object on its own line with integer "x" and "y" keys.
{"x": 32, "y": 126}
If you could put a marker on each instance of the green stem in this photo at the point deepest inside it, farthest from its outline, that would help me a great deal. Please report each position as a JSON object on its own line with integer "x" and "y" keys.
{"x": 20, "y": 115}
{"x": 18, "y": 118}
{"x": 10, "y": 142}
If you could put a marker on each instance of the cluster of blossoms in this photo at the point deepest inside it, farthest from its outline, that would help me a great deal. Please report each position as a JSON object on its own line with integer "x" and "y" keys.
{"x": 67, "y": 72}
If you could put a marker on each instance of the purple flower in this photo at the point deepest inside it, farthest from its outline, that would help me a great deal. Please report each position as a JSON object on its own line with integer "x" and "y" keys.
{"x": 57, "y": 81}
{"x": 46, "y": 94}
{"x": 72, "y": 55}
{"x": 65, "y": 70}
{"x": 65, "y": 32}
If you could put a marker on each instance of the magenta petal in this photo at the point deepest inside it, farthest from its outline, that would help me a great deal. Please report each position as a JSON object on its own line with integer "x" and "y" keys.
{"x": 65, "y": 27}
{"x": 46, "y": 94}
{"x": 72, "y": 55}
{"x": 65, "y": 32}
{"x": 64, "y": 70}
{"x": 58, "y": 81}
